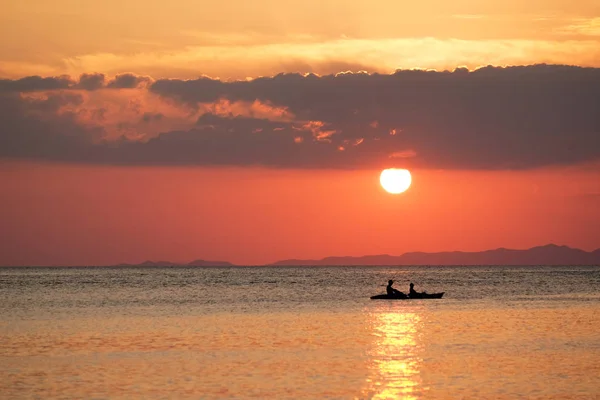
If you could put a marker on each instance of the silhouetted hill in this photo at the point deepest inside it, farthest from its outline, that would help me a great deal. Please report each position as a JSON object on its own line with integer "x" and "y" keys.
{"x": 195, "y": 263}
{"x": 550, "y": 254}
{"x": 204, "y": 263}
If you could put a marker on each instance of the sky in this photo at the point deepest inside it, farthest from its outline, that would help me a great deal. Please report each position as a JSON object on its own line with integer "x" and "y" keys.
{"x": 256, "y": 131}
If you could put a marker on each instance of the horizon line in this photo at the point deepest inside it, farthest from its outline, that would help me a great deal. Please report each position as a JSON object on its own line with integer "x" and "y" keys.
{"x": 275, "y": 263}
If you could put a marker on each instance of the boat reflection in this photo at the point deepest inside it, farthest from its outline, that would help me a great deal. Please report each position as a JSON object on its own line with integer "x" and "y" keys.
{"x": 395, "y": 356}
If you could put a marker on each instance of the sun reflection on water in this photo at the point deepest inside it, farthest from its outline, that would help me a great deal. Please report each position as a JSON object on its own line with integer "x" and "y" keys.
{"x": 395, "y": 356}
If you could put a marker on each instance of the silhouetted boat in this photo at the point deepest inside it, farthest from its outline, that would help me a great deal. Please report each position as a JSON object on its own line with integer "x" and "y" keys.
{"x": 419, "y": 296}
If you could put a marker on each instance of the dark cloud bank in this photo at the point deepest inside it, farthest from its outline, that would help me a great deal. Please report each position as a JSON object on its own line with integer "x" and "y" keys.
{"x": 86, "y": 82}
{"x": 491, "y": 118}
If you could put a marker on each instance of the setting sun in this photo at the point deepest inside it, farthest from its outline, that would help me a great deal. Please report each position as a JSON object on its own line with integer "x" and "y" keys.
{"x": 395, "y": 180}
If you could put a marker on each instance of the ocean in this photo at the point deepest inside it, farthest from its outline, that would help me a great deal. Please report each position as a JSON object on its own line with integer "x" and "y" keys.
{"x": 299, "y": 333}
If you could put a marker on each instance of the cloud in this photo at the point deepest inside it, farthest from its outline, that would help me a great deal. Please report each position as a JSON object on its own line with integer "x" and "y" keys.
{"x": 149, "y": 117}
{"x": 34, "y": 128}
{"x": 582, "y": 26}
{"x": 517, "y": 117}
{"x": 127, "y": 81}
{"x": 498, "y": 40}
{"x": 490, "y": 118}
{"x": 35, "y": 83}
{"x": 89, "y": 82}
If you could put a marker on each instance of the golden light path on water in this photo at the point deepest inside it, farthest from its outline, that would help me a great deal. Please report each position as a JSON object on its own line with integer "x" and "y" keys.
{"x": 395, "y": 356}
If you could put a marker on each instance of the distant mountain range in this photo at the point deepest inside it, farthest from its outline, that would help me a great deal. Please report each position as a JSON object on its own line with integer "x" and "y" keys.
{"x": 550, "y": 254}
{"x": 195, "y": 263}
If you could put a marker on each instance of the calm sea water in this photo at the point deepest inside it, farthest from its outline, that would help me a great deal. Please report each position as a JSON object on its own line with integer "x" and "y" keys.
{"x": 260, "y": 332}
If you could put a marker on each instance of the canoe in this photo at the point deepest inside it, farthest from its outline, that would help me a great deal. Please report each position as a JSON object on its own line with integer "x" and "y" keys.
{"x": 419, "y": 296}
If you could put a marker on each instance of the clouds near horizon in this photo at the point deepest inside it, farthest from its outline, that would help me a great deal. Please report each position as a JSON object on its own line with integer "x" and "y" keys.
{"x": 491, "y": 118}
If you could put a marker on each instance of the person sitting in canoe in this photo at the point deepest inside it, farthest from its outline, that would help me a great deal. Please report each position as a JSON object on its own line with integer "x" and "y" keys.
{"x": 412, "y": 292}
{"x": 393, "y": 292}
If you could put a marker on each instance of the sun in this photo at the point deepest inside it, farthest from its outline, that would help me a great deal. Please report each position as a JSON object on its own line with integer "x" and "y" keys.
{"x": 395, "y": 180}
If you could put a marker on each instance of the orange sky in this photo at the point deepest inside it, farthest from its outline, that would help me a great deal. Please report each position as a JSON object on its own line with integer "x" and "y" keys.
{"x": 239, "y": 39}
{"x": 61, "y": 214}
{"x": 83, "y": 159}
